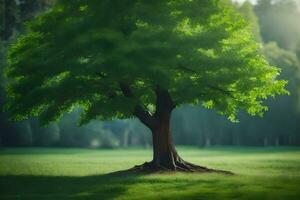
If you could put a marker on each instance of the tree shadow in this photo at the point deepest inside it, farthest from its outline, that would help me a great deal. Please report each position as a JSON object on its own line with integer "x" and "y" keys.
{"x": 133, "y": 185}
{"x": 107, "y": 186}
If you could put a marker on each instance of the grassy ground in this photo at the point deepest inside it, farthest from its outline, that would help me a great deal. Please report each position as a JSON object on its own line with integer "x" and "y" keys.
{"x": 270, "y": 173}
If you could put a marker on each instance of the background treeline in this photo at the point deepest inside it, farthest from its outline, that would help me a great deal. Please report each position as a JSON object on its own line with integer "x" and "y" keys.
{"x": 275, "y": 24}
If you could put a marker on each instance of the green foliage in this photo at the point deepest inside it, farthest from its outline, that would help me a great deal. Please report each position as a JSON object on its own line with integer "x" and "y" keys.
{"x": 247, "y": 10}
{"x": 79, "y": 52}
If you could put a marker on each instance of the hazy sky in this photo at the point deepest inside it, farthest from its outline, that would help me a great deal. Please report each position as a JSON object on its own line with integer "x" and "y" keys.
{"x": 241, "y": 1}
{"x": 255, "y": 1}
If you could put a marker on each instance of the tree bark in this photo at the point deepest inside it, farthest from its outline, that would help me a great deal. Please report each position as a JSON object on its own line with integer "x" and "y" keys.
{"x": 164, "y": 153}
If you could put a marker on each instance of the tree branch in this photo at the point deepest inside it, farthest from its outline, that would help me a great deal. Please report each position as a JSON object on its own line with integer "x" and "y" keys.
{"x": 144, "y": 116}
{"x": 226, "y": 92}
{"x": 187, "y": 69}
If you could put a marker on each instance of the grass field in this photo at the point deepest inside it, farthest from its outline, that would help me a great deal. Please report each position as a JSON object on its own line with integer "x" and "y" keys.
{"x": 261, "y": 173}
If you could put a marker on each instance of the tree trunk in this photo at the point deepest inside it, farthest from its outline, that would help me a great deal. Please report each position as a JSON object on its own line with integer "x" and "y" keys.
{"x": 164, "y": 153}
{"x": 165, "y": 157}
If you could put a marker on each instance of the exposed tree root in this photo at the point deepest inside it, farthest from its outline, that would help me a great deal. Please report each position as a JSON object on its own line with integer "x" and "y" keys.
{"x": 179, "y": 166}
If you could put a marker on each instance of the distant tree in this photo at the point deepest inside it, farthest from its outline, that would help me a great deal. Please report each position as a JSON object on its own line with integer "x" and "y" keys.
{"x": 8, "y": 18}
{"x": 2, "y": 118}
{"x": 119, "y": 59}
{"x": 13, "y": 14}
{"x": 279, "y": 22}
{"x": 284, "y": 119}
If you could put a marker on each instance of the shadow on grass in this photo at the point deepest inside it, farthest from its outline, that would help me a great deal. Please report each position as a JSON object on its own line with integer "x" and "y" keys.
{"x": 107, "y": 186}
{"x": 101, "y": 187}
{"x": 141, "y": 186}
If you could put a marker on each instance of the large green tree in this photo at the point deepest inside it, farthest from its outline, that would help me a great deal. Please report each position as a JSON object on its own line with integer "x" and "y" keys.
{"x": 139, "y": 58}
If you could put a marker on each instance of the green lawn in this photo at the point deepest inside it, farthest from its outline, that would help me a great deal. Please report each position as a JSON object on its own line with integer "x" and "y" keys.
{"x": 261, "y": 173}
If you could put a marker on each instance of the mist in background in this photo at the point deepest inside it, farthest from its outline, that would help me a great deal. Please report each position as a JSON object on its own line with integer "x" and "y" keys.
{"x": 274, "y": 23}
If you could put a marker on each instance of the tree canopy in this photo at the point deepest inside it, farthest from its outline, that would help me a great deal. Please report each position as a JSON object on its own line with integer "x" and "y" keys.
{"x": 88, "y": 52}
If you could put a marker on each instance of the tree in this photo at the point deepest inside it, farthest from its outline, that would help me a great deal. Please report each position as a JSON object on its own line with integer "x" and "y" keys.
{"x": 286, "y": 14}
{"x": 2, "y": 124}
{"x": 119, "y": 59}
{"x": 285, "y": 117}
